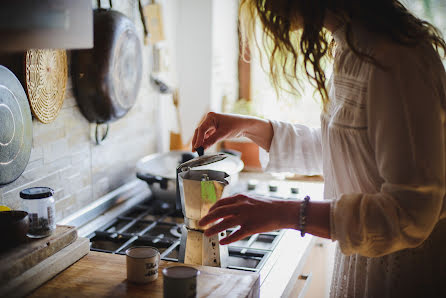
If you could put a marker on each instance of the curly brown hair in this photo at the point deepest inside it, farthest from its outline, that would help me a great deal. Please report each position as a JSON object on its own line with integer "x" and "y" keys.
{"x": 290, "y": 49}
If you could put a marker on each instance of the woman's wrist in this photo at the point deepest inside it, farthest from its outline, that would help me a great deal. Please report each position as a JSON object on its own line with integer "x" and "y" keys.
{"x": 260, "y": 131}
{"x": 317, "y": 217}
{"x": 289, "y": 214}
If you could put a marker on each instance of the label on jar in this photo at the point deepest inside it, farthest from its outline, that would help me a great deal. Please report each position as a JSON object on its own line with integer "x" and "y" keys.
{"x": 50, "y": 211}
{"x": 33, "y": 220}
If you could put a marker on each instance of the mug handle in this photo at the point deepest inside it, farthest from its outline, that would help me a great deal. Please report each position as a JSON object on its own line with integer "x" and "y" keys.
{"x": 159, "y": 260}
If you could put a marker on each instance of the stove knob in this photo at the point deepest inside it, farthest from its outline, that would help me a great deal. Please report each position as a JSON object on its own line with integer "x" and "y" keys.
{"x": 294, "y": 190}
{"x": 273, "y": 187}
{"x": 252, "y": 184}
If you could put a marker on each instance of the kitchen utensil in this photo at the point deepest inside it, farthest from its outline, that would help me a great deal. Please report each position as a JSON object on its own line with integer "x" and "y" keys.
{"x": 40, "y": 273}
{"x": 153, "y": 18}
{"x": 15, "y": 262}
{"x": 200, "y": 151}
{"x": 159, "y": 171}
{"x": 180, "y": 282}
{"x": 107, "y": 78}
{"x": 142, "y": 264}
{"x": 39, "y": 203}
{"x": 199, "y": 190}
{"x": 46, "y": 79}
{"x": 13, "y": 228}
{"x": 15, "y": 127}
{"x": 176, "y": 138}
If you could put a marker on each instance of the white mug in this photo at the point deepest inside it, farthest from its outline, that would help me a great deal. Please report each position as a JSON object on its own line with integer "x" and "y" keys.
{"x": 142, "y": 264}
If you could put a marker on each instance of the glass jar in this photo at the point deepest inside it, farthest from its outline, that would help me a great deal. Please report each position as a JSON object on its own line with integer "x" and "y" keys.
{"x": 39, "y": 203}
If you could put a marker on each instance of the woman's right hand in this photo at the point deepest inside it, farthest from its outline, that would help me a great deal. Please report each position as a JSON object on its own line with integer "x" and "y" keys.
{"x": 218, "y": 126}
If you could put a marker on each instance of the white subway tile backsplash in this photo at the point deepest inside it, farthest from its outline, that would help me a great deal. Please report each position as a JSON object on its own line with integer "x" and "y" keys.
{"x": 65, "y": 157}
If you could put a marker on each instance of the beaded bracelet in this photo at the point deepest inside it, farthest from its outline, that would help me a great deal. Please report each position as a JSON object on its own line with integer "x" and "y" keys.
{"x": 303, "y": 215}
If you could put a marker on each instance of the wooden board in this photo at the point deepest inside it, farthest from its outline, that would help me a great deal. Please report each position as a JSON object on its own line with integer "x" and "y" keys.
{"x": 104, "y": 275}
{"x": 21, "y": 258}
{"x": 45, "y": 270}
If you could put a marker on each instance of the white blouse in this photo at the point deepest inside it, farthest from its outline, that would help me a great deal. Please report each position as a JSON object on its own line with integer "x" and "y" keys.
{"x": 382, "y": 151}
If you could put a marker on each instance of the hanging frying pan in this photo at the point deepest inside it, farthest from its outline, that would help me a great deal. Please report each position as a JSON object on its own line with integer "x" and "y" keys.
{"x": 15, "y": 127}
{"x": 107, "y": 78}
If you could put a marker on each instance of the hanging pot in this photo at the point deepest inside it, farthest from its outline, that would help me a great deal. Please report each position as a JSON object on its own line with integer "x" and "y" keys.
{"x": 15, "y": 127}
{"x": 107, "y": 78}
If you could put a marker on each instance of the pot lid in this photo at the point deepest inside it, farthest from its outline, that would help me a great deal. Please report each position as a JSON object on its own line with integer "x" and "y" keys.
{"x": 16, "y": 129}
{"x": 202, "y": 161}
{"x": 166, "y": 164}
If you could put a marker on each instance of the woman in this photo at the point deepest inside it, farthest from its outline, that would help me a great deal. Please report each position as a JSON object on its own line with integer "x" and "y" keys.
{"x": 381, "y": 146}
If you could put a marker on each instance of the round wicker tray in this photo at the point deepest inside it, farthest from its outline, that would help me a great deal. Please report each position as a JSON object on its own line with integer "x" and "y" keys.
{"x": 46, "y": 80}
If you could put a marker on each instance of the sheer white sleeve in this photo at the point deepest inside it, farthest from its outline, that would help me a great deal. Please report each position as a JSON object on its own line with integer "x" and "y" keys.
{"x": 294, "y": 148}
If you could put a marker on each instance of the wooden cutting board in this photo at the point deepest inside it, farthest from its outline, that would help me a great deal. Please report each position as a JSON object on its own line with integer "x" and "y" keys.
{"x": 104, "y": 275}
{"x": 21, "y": 258}
{"x": 34, "y": 277}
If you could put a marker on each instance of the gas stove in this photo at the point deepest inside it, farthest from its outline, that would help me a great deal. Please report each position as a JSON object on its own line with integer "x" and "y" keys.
{"x": 152, "y": 223}
{"x": 131, "y": 216}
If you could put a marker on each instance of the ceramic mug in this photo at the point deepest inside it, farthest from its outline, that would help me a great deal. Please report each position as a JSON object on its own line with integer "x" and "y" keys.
{"x": 142, "y": 264}
{"x": 180, "y": 282}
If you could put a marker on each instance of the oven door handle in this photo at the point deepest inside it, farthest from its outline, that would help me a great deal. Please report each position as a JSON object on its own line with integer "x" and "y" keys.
{"x": 152, "y": 179}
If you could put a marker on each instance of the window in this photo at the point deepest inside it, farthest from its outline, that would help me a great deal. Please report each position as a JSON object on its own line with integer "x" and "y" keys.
{"x": 306, "y": 110}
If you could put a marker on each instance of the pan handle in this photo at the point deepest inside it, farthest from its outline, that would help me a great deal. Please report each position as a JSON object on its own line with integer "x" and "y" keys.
{"x": 98, "y": 3}
{"x": 104, "y": 136}
{"x": 151, "y": 179}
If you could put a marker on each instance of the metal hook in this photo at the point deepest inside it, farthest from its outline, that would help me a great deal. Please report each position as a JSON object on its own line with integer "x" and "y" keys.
{"x": 100, "y": 140}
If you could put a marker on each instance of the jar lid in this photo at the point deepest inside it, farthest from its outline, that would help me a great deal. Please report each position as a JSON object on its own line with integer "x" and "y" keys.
{"x": 36, "y": 193}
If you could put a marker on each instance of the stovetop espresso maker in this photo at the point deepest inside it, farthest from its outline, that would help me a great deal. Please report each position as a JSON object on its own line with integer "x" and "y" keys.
{"x": 198, "y": 191}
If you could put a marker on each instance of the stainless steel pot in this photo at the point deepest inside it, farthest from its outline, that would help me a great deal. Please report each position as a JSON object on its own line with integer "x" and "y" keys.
{"x": 160, "y": 170}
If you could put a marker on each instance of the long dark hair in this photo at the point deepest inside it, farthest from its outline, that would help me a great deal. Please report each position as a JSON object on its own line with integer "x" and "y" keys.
{"x": 288, "y": 49}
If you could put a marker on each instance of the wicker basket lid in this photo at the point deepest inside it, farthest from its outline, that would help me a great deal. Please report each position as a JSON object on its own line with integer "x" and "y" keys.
{"x": 46, "y": 80}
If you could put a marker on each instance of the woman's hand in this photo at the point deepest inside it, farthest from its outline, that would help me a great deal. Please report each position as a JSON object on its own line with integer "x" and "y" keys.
{"x": 216, "y": 127}
{"x": 253, "y": 215}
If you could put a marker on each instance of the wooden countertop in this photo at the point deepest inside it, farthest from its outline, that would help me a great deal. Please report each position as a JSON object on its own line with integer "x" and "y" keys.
{"x": 104, "y": 275}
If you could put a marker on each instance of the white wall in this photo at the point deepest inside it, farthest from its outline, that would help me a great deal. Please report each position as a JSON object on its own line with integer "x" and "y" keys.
{"x": 206, "y": 56}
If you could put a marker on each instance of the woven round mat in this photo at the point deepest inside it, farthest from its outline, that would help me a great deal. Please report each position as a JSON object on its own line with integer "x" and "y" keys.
{"x": 46, "y": 80}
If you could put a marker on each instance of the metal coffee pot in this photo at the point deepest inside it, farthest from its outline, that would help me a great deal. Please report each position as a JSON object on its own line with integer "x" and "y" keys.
{"x": 199, "y": 190}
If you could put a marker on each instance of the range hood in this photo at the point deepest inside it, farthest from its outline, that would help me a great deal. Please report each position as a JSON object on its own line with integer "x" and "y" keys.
{"x": 32, "y": 24}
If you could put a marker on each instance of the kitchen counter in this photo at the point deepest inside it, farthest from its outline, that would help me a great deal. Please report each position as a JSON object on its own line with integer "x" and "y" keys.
{"x": 278, "y": 277}
{"x": 104, "y": 275}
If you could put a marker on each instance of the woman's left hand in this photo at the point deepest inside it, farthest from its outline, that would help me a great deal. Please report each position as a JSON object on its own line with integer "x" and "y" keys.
{"x": 252, "y": 214}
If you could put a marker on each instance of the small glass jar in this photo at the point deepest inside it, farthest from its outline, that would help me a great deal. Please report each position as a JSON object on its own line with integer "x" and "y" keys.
{"x": 39, "y": 203}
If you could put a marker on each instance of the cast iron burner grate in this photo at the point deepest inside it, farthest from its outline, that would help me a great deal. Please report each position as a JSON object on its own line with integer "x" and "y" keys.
{"x": 151, "y": 224}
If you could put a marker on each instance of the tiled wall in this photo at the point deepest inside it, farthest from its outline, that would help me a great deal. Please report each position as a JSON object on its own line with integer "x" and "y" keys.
{"x": 65, "y": 158}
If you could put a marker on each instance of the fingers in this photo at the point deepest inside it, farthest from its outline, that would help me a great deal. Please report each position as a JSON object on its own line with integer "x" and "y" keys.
{"x": 227, "y": 201}
{"x": 211, "y": 140}
{"x": 222, "y": 226}
{"x": 221, "y": 212}
{"x": 235, "y": 236}
{"x": 202, "y": 129}
{"x": 194, "y": 139}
